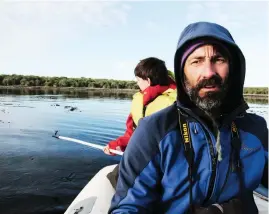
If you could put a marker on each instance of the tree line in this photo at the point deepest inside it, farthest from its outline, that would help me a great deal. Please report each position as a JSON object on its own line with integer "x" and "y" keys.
{"x": 256, "y": 90}
{"x": 21, "y": 80}
{"x": 30, "y": 80}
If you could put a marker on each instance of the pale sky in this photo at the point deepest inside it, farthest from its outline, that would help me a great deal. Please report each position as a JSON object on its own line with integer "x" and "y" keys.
{"x": 106, "y": 39}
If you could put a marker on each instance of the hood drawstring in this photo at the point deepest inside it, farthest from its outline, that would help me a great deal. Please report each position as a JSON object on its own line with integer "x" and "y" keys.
{"x": 195, "y": 129}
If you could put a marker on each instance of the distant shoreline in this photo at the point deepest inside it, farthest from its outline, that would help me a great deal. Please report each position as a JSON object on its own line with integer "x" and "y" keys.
{"x": 110, "y": 90}
{"x": 256, "y": 96}
{"x": 70, "y": 88}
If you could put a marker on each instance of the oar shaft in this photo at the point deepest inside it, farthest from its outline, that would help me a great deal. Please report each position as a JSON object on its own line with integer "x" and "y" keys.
{"x": 89, "y": 144}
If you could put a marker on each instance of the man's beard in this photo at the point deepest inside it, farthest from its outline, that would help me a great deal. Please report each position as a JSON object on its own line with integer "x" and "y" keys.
{"x": 212, "y": 100}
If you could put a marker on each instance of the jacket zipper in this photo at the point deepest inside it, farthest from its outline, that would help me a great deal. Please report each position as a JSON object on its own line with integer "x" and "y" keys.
{"x": 214, "y": 166}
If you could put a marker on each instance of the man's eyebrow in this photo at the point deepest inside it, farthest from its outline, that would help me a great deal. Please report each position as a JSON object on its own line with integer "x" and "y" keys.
{"x": 196, "y": 57}
{"x": 200, "y": 57}
{"x": 218, "y": 55}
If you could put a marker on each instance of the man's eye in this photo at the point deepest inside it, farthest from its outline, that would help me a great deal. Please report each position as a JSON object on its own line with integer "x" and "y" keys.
{"x": 220, "y": 60}
{"x": 196, "y": 62}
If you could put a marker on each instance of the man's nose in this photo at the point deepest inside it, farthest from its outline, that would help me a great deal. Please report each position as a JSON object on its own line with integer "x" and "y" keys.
{"x": 209, "y": 70}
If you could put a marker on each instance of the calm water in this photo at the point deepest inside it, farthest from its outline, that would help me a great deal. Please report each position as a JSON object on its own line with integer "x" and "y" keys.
{"x": 40, "y": 174}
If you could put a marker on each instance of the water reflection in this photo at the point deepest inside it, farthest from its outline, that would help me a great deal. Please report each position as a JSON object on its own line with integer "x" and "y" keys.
{"x": 87, "y": 93}
{"x": 257, "y": 100}
{"x": 72, "y": 93}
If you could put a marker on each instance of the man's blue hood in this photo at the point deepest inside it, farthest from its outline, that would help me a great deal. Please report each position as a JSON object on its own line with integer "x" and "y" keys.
{"x": 207, "y": 30}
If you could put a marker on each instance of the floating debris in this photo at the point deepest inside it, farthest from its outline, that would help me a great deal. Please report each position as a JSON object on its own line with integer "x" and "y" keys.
{"x": 71, "y": 108}
{"x": 5, "y": 111}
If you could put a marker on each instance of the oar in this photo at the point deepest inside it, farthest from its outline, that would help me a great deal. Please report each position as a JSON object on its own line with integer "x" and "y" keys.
{"x": 85, "y": 143}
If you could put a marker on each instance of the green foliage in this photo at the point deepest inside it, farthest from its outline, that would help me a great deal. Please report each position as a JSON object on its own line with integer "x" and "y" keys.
{"x": 256, "y": 90}
{"x": 20, "y": 80}
{"x": 30, "y": 80}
